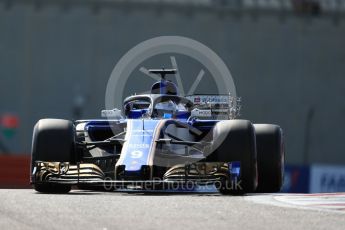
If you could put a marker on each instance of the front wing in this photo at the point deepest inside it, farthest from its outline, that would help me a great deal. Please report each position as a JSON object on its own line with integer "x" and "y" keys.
{"x": 200, "y": 173}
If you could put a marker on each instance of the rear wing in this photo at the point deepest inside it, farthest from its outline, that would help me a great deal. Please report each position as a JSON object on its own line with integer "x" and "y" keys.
{"x": 219, "y": 107}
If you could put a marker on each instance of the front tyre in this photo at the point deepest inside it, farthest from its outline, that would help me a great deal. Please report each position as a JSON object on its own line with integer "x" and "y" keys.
{"x": 53, "y": 141}
{"x": 234, "y": 140}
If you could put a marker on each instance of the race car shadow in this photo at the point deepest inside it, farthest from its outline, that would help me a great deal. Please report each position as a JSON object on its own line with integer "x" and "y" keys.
{"x": 170, "y": 194}
{"x": 133, "y": 192}
{"x": 200, "y": 191}
{"x": 73, "y": 192}
{"x": 205, "y": 191}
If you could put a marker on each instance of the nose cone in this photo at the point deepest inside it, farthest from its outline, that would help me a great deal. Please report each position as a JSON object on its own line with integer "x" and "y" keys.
{"x": 123, "y": 173}
{"x": 138, "y": 151}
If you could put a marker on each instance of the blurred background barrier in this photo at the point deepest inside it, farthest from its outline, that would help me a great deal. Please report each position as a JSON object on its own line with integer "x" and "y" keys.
{"x": 327, "y": 178}
{"x": 316, "y": 178}
{"x": 15, "y": 171}
{"x": 296, "y": 179}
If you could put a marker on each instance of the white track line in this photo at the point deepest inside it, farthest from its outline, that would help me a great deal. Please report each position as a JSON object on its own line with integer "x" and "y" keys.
{"x": 330, "y": 202}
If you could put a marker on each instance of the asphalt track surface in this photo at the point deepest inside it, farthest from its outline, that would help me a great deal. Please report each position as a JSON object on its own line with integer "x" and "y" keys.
{"x": 26, "y": 209}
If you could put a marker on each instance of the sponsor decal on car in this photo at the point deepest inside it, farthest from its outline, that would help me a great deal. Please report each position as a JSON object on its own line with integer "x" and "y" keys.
{"x": 209, "y": 99}
{"x": 201, "y": 113}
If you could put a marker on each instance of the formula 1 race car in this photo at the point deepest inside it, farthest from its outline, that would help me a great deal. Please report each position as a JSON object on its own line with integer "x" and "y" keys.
{"x": 159, "y": 141}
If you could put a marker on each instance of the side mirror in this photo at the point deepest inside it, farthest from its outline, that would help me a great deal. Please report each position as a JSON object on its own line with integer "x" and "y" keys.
{"x": 112, "y": 114}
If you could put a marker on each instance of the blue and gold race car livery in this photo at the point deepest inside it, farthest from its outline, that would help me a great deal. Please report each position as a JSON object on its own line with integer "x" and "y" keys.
{"x": 160, "y": 141}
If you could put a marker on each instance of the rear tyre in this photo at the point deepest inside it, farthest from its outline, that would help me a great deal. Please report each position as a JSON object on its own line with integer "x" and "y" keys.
{"x": 234, "y": 140}
{"x": 53, "y": 141}
{"x": 270, "y": 150}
